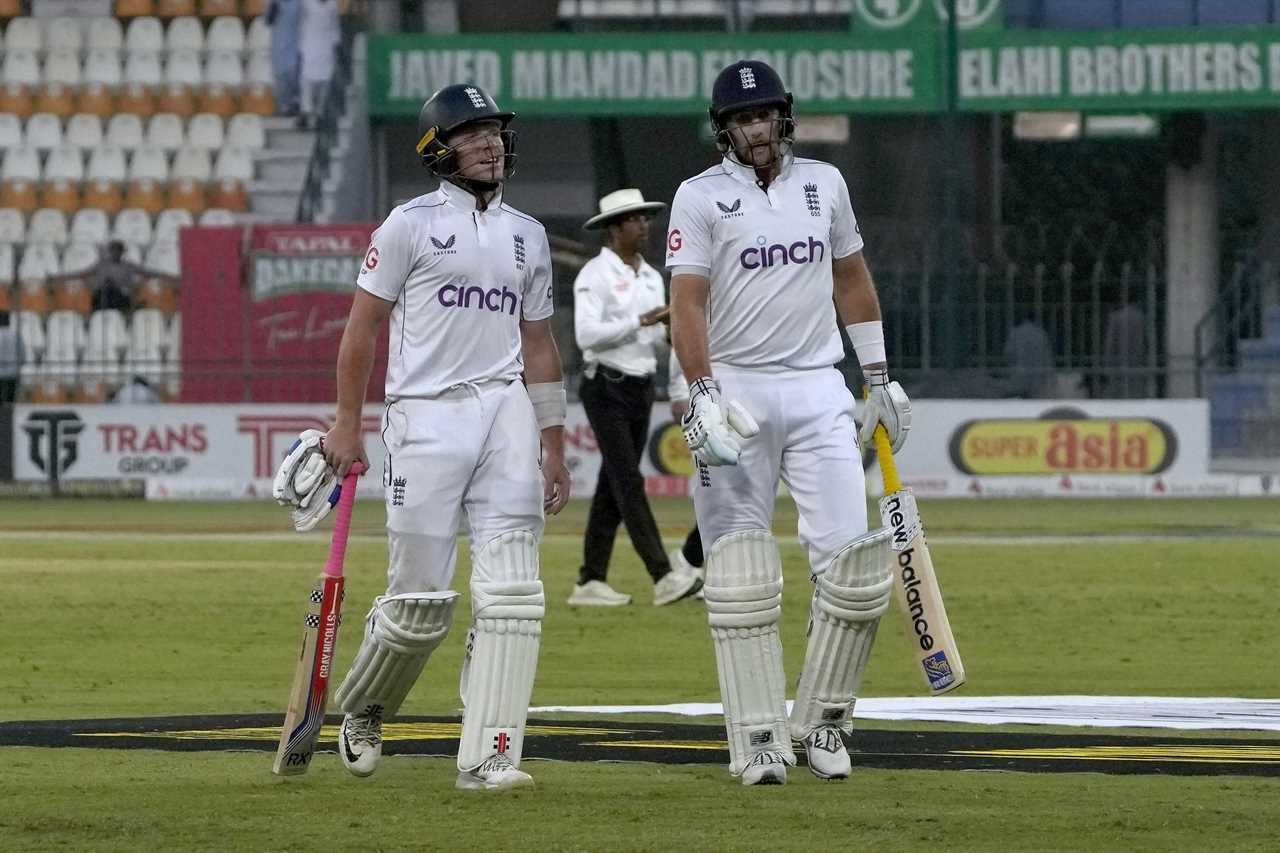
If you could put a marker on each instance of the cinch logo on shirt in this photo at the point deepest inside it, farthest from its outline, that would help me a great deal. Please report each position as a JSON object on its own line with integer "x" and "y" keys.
{"x": 493, "y": 299}
{"x": 765, "y": 255}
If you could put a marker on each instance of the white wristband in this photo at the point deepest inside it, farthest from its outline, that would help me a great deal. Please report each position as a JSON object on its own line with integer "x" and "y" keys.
{"x": 868, "y": 341}
{"x": 549, "y": 403}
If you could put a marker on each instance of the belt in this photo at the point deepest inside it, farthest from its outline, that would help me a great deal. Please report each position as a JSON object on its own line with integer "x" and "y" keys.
{"x": 610, "y": 374}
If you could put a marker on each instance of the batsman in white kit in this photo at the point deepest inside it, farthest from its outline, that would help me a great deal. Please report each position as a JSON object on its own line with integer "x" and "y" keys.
{"x": 466, "y": 283}
{"x": 764, "y": 250}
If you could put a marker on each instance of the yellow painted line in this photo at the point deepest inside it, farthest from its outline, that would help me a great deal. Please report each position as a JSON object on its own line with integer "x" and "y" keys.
{"x": 390, "y": 732}
{"x": 661, "y": 744}
{"x": 1247, "y": 754}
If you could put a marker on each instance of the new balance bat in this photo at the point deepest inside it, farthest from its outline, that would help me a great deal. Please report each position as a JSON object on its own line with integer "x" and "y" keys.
{"x": 915, "y": 583}
{"x": 307, "y": 699}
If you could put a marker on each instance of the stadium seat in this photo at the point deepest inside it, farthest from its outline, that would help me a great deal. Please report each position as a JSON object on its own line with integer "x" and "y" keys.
{"x": 76, "y": 292}
{"x": 246, "y": 130}
{"x": 168, "y": 224}
{"x": 148, "y": 340}
{"x": 90, "y": 226}
{"x": 148, "y": 177}
{"x": 78, "y": 258}
{"x": 205, "y": 131}
{"x": 47, "y": 225}
{"x": 175, "y": 8}
{"x": 63, "y": 174}
{"x": 191, "y": 171}
{"x": 182, "y": 79}
{"x": 64, "y": 34}
{"x": 33, "y": 295}
{"x": 6, "y": 272}
{"x": 225, "y": 34}
{"x": 10, "y": 8}
{"x": 10, "y": 131}
{"x": 144, "y": 35}
{"x": 184, "y": 33}
{"x": 39, "y": 261}
{"x": 125, "y": 131}
{"x": 216, "y": 217}
{"x": 44, "y": 131}
{"x": 19, "y": 179}
{"x": 106, "y": 342}
{"x": 61, "y": 80}
{"x": 256, "y": 8}
{"x": 134, "y": 8}
{"x": 132, "y": 225}
{"x": 13, "y": 229}
{"x": 84, "y": 131}
{"x": 258, "y": 38}
{"x": 21, "y": 75}
{"x": 232, "y": 174}
{"x": 165, "y": 131}
{"x": 102, "y": 79}
{"x": 223, "y": 77}
{"x": 258, "y": 94}
{"x": 142, "y": 79}
{"x": 105, "y": 176}
{"x": 24, "y": 34}
{"x": 64, "y": 334}
{"x": 217, "y": 8}
{"x": 105, "y": 34}
{"x": 31, "y": 337}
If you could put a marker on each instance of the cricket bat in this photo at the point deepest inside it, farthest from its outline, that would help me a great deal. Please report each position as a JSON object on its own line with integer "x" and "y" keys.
{"x": 915, "y": 582}
{"x": 310, "y": 692}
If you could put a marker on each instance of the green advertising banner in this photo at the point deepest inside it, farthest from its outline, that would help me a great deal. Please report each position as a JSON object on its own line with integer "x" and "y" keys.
{"x": 630, "y": 74}
{"x": 901, "y": 14}
{"x": 1210, "y": 68}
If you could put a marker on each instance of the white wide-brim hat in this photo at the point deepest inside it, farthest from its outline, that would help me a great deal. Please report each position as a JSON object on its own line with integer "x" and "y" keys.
{"x": 620, "y": 203}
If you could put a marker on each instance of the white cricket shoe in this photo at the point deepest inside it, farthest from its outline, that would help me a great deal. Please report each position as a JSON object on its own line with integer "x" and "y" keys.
{"x": 676, "y": 557}
{"x": 766, "y": 768}
{"x": 828, "y": 758}
{"x": 360, "y": 741}
{"x": 675, "y": 585}
{"x": 495, "y": 773}
{"x": 597, "y": 594}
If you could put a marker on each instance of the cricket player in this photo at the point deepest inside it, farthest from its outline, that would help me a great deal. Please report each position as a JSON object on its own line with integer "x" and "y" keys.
{"x": 466, "y": 282}
{"x": 764, "y": 250}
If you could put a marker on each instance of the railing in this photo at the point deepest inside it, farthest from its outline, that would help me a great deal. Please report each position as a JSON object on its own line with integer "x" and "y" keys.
{"x": 1236, "y": 314}
{"x": 326, "y": 129}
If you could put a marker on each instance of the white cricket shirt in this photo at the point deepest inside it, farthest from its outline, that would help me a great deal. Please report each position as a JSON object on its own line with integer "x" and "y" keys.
{"x": 609, "y": 296}
{"x": 462, "y": 280}
{"x": 767, "y": 255}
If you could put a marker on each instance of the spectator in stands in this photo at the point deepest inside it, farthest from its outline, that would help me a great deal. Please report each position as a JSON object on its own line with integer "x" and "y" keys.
{"x": 321, "y": 32}
{"x": 1029, "y": 355}
{"x": 8, "y": 359}
{"x": 114, "y": 279}
{"x": 283, "y": 18}
{"x": 136, "y": 390}
{"x": 1124, "y": 348}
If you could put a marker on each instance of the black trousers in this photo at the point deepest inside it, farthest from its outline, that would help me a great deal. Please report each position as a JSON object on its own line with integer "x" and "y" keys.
{"x": 618, "y": 408}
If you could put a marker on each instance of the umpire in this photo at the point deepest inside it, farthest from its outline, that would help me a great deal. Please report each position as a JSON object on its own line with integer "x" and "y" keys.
{"x": 619, "y": 308}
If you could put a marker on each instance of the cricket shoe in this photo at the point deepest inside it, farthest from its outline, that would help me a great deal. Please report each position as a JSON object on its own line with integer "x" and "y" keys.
{"x": 766, "y": 768}
{"x": 495, "y": 773}
{"x": 674, "y": 585}
{"x": 828, "y": 758}
{"x": 678, "y": 562}
{"x": 597, "y": 594}
{"x": 360, "y": 740}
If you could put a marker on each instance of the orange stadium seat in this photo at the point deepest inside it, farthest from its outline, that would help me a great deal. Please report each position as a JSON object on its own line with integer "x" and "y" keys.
{"x": 33, "y": 296}
{"x": 254, "y": 8}
{"x": 134, "y": 8}
{"x": 10, "y": 8}
{"x": 73, "y": 294}
{"x": 214, "y": 8}
{"x": 49, "y": 392}
{"x": 19, "y": 178}
{"x": 175, "y": 8}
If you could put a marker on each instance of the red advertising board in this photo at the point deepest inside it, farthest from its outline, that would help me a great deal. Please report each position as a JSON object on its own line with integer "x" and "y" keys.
{"x": 263, "y": 310}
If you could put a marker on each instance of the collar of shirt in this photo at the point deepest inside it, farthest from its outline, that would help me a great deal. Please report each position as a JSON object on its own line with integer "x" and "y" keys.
{"x": 463, "y": 200}
{"x": 615, "y": 260}
{"x": 747, "y": 175}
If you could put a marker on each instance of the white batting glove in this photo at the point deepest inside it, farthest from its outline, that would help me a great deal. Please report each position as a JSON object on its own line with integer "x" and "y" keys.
{"x": 886, "y": 404}
{"x": 714, "y": 435}
{"x": 305, "y": 482}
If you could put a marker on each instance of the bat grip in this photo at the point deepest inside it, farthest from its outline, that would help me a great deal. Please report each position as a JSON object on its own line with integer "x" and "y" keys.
{"x": 884, "y": 453}
{"x": 342, "y": 522}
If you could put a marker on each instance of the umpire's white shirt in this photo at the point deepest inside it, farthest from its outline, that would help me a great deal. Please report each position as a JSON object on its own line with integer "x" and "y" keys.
{"x": 767, "y": 254}
{"x": 462, "y": 280}
{"x": 609, "y": 296}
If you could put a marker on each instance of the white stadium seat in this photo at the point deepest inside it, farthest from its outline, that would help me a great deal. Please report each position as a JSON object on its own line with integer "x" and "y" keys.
{"x": 107, "y": 164}
{"x": 103, "y": 68}
{"x": 143, "y": 69}
{"x": 217, "y": 217}
{"x": 205, "y": 131}
{"x": 39, "y": 261}
{"x": 64, "y": 34}
{"x": 10, "y": 131}
{"x": 24, "y": 34}
{"x": 62, "y": 67}
{"x": 84, "y": 131}
{"x": 13, "y": 226}
{"x": 21, "y": 66}
{"x": 148, "y": 341}
{"x": 64, "y": 342}
{"x": 6, "y": 263}
{"x": 31, "y": 334}
{"x": 90, "y": 226}
{"x": 106, "y": 341}
{"x": 183, "y": 67}
{"x": 259, "y": 36}
{"x": 163, "y": 257}
{"x": 234, "y": 163}
{"x": 44, "y": 131}
{"x": 64, "y": 164}
{"x": 47, "y": 225}
{"x": 225, "y": 33}
{"x": 168, "y": 224}
{"x": 185, "y": 33}
{"x": 165, "y": 130}
{"x": 191, "y": 164}
{"x": 246, "y": 130}
{"x": 124, "y": 131}
{"x": 21, "y": 164}
{"x": 132, "y": 225}
{"x": 148, "y": 164}
{"x": 79, "y": 258}
{"x": 144, "y": 35}
{"x": 105, "y": 34}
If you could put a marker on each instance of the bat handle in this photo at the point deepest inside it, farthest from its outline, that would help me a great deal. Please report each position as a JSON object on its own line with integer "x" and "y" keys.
{"x": 342, "y": 522}
{"x": 884, "y": 453}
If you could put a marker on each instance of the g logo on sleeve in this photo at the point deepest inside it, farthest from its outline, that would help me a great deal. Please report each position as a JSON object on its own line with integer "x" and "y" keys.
{"x": 674, "y": 240}
{"x": 370, "y": 259}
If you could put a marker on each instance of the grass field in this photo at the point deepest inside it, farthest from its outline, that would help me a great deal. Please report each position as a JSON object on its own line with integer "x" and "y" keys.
{"x": 117, "y": 609}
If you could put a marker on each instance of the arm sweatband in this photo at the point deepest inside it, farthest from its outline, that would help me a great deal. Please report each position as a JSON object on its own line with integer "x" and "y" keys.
{"x": 868, "y": 341}
{"x": 549, "y": 403}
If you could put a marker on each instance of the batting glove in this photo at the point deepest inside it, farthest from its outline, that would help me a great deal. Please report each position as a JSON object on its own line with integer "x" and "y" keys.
{"x": 715, "y": 434}
{"x": 305, "y": 482}
{"x": 886, "y": 404}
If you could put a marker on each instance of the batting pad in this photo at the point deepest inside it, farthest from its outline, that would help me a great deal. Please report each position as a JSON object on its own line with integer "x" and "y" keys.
{"x": 502, "y": 648}
{"x": 400, "y": 634}
{"x": 848, "y": 600}
{"x": 744, "y": 603}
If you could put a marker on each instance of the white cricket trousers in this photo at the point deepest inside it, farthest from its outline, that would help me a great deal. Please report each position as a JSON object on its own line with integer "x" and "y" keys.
{"x": 809, "y": 438}
{"x": 474, "y": 448}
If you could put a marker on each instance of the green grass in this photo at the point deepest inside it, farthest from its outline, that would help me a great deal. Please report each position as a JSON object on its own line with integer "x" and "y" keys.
{"x": 131, "y": 623}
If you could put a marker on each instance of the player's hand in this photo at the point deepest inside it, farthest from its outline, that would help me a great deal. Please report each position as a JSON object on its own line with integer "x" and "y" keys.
{"x": 555, "y": 480}
{"x": 305, "y": 483}
{"x": 715, "y": 434}
{"x": 886, "y": 404}
{"x": 658, "y": 315}
{"x": 344, "y": 445}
